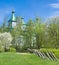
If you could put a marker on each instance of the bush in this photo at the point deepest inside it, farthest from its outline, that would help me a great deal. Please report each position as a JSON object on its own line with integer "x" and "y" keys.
{"x": 12, "y": 50}
{"x": 2, "y": 49}
{"x": 5, "y": 40}
{"x": 55, "y": 51}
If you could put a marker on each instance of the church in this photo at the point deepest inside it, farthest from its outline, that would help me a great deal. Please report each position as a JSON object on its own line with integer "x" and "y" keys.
{"x": 12, "y": 22}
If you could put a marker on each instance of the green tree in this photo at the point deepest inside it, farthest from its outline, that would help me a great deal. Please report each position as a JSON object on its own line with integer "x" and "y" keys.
{"x": 29, "y": 32}
{"x": 17, "y": 33}
{"x": 39, "y": 33}
{"x": 53, "y": 32}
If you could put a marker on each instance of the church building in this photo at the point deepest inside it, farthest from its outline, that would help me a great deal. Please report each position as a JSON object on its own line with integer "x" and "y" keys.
{"x": 12, "y": 21}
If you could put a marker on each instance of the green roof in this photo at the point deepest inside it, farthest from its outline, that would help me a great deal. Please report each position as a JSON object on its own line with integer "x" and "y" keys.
{"x": 13, "y": 18}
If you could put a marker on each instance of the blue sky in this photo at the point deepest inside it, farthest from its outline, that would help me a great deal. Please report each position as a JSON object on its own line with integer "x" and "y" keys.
{"x": 29, "y": 9}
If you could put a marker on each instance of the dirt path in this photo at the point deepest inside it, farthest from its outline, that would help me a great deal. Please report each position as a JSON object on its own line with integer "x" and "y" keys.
{"x": 24, "y": 53}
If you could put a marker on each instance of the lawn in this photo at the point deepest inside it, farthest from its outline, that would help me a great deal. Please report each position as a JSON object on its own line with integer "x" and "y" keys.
{"x": 24, "y": 59}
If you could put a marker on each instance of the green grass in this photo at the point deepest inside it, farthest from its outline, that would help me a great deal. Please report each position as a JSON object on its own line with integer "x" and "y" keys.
{"x": 24, "y": 59}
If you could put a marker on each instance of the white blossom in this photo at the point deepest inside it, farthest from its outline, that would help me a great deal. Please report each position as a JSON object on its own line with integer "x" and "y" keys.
{"x": 5, "y": 39}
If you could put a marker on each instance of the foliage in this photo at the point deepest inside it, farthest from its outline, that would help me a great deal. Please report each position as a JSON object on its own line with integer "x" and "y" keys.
{"x": 39, "y": 33}
{"x": 2, "y": 49}
{"x": 55, "y": 51}
{"x": 29, "y": 33}
{"x": 5, "y": 40}
{"x": 12, "y": 49}
{"x": 16, "y": 33}
{"x": 53, "y": 32}
{"x": 34, "y": 34}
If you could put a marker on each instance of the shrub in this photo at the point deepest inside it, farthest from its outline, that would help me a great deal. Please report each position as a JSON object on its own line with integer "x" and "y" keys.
{"x": 12, "y": 49}
{"x": 55, "y": 51}
{"x": 2, "y": 49}
{"x": 5, "y": 40}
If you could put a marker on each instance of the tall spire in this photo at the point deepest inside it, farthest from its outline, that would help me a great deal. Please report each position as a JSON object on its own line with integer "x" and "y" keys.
{"x": 13, "y": 18}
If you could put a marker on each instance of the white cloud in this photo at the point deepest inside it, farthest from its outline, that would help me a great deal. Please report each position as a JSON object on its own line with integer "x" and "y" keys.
{"x": 54, "y": 14}
{"x": 54, "y": 5}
